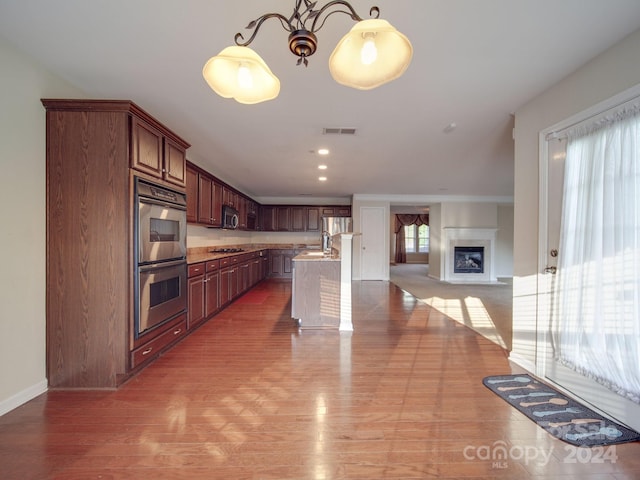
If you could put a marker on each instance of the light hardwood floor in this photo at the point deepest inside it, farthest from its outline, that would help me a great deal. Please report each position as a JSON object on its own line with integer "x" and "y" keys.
{"x": 249, "y": 396}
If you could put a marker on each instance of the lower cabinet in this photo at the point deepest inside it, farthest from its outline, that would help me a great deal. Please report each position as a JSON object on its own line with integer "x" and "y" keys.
{"x": 215, "y": 284}
{"x": 196, "y": 295}
{"x": 211, "y": 292}
{"x": 281, "y": 262}
{"x": 228, "y": 284}
{"x": 203, "y": 284}
{"x": 173, "y": 331}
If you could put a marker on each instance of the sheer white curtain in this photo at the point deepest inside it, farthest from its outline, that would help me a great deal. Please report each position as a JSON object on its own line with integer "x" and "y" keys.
{"x": 596, "y": 321}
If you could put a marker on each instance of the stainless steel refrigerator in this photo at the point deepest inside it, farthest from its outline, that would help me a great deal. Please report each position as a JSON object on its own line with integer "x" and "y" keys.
{"x": 332, "y": 226}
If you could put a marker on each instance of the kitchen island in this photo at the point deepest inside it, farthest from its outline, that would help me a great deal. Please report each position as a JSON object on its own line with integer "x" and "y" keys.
{"x": 315, "y": 291}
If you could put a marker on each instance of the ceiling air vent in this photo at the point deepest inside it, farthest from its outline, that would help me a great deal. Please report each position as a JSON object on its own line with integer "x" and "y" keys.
{"x": 338, "y": 131}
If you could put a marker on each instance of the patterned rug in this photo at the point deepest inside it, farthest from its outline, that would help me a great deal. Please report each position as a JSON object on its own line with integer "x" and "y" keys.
{"x": 558, "y": 414}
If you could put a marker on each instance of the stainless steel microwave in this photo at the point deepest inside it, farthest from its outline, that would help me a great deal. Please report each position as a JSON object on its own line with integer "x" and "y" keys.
{"x": 229, "y": 217}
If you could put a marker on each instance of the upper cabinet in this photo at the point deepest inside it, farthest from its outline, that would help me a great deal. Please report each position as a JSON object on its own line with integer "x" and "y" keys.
{"x": 299, "y": 218}
{"x": 312, "y": 217}
{"x": 336, "y": 211}
{"x": 206, "y": 195}
{"x": 192, "y": 194}
{"x": 157, "y": 154}
{"x": 209, "y": 201}
{"x": 229, "y": 197}
{"x": 175, "y": 163}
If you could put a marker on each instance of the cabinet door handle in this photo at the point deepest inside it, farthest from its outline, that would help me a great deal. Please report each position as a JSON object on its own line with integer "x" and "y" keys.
{"x": 148, "y": 351}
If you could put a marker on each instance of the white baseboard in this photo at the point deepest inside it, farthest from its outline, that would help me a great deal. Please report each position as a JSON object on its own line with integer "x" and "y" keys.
{"x": 23, "y": 397}
{"x": 523, "y": 362}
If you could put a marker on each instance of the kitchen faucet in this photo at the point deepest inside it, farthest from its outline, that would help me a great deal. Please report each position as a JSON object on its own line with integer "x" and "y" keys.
{"x": 326, "y": 242}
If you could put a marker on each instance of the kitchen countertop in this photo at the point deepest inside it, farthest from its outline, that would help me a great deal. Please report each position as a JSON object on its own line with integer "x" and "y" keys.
{"x": 316, "y": 256}
{"x": 204, "y": 254}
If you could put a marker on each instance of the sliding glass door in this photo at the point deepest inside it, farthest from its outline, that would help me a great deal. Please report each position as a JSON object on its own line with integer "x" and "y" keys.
{"x": 588, "y": 324}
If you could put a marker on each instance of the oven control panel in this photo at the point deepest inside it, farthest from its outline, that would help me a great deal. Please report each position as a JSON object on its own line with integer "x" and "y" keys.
{"x": 156, "y": 192}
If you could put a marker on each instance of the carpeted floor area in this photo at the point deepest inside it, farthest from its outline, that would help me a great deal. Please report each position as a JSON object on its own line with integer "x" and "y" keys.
{"x": 487, "y": 309}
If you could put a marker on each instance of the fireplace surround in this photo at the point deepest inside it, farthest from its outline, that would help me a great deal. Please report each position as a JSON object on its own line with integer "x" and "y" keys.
{"x": 474, "y": 248}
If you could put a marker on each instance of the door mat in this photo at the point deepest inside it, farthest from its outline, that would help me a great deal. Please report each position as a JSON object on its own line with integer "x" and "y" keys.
{"x": 558, "y": 414}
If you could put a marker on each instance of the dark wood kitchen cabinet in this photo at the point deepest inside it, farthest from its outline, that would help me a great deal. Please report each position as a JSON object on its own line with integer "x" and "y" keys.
{"x": 192, "y": 194}
{"x": 155, "y": 153}
{"x": 313, "y": 219}
{"x": 209, "y": 201}
{"x": 228, "y": 284}
{"x": 203, "y": 284}
{"x": 297, "y": 217}
{"x": 90, "y": 270}
{"x": 196, "y": 295}
{"x": 269, "y": 219}
{"x": 212, "y": 288}
{"x": 336, "y": 211}
{"x": 281, "y": 262}
{"x": 229, "y": 197}
{"x": 283, "y": 217}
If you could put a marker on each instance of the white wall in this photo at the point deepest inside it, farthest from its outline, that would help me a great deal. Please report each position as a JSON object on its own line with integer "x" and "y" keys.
{"x": 469, "y": 214}
{"x": 612, "y": 72}
{"x": 435, "y": 240}
{"x": 504, "y": 242}
{"x": 22, "y": 209}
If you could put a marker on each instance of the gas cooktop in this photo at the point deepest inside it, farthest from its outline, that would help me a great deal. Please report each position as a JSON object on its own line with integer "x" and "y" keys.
{"x": 226, "y": 250}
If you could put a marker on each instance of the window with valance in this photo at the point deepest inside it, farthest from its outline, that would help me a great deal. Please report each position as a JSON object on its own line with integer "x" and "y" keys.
{"x": 403, "y": 220}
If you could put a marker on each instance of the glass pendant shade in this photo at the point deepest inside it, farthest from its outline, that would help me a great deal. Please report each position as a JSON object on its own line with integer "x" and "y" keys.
{"x": 371, "y": 54}
{"x": 239, "y": 73}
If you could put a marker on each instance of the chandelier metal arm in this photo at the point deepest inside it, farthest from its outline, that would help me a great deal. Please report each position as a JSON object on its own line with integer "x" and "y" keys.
{"x": 257, "y": 23}
{"x": 301, "y": 18}
{"x": 317, "y": 14}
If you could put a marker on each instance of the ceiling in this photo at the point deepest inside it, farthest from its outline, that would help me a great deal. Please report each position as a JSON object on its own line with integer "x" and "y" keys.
{"x": 475, "y": 63}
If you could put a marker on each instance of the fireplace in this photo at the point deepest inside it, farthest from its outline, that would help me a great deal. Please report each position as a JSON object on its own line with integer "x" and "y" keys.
{"x": 468, "y": 259}
{"x": 468, "y": 255}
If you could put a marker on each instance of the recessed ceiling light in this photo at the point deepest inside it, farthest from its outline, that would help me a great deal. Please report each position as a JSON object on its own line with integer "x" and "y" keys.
{"x": 322, "y": 179}
{"x": 323, "y": 151}
{"x": 322, "y": 167}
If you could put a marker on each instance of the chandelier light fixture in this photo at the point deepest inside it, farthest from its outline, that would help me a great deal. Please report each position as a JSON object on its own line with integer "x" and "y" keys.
{"x": 371, "y": 54}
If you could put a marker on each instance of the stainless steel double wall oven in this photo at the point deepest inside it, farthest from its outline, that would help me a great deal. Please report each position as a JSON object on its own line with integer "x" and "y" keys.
{"x": 160, "y": 255}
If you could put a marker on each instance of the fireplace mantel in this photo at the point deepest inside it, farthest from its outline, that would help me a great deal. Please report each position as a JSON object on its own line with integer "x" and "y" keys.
{"x": 469, "y": 237}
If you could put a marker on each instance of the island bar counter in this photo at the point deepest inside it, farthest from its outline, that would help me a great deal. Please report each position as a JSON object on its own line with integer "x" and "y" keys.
{"x": 315, "y": 290}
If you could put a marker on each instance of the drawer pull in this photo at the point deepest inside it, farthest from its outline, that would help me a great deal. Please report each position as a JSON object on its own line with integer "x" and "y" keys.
{"x": 147, "y": 351}
{"x": 176, "y": 332}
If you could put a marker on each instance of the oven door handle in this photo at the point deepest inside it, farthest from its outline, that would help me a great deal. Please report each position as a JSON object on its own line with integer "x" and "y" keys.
{"x": 154, "y": 266}
{"x": 160, "y": 203}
